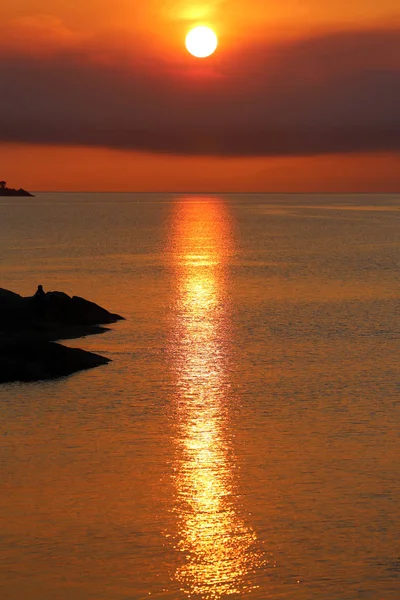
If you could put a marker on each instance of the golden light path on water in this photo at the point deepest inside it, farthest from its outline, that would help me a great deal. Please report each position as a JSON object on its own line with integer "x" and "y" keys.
{"x": 216, "y": 545}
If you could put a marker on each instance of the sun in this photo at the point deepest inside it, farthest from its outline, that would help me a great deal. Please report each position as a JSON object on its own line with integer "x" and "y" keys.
{"x": 201, "y": 42}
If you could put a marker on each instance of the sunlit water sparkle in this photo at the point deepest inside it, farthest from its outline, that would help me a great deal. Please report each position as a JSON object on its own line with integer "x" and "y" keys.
{"x": 216, "y": 542}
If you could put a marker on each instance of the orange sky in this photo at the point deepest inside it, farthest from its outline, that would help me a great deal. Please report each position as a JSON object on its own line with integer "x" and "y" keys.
{"x": 300, "y": 96}
{"x": 86, "y": 169}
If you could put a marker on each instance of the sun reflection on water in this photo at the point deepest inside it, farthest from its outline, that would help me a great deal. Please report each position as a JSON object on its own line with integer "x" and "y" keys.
{"x": 217, "y": 547}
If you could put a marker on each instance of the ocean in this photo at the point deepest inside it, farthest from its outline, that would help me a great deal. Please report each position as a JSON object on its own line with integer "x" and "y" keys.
{"x": 244, "y": 442}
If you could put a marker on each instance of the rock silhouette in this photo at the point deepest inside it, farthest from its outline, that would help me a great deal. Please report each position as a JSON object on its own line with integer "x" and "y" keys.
{"x": 5, "y": 191}
{"x": 30, "y": 326}
{"x": 33, "y": 361}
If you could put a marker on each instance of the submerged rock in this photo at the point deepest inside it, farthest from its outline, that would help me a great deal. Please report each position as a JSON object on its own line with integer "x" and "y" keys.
{"x": 29, "y": 326}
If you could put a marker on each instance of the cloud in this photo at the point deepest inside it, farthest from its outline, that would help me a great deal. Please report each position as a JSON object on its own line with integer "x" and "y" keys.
{"x": 40, "y": 34}
{"x": 332, "y": 93}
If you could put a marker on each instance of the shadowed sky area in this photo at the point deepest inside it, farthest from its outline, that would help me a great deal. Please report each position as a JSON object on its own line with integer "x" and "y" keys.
{"x": 287, "y": 80}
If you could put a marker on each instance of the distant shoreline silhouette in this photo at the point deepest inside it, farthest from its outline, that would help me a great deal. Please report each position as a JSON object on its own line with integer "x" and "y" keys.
{"x": 5, "y": 191}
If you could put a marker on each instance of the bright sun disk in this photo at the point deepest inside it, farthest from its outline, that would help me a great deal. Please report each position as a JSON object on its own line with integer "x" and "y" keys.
{"x": 201, "y": 42}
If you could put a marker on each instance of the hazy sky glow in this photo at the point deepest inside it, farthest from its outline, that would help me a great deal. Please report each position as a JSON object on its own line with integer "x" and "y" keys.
{"x": 291, "y": 83}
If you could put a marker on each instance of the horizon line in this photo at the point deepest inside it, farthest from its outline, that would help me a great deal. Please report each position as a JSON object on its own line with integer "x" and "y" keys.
{"x": 214, "y": 193}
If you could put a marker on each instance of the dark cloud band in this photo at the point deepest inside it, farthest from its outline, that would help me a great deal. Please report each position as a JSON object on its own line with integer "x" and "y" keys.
{"x": 334, "y": 93}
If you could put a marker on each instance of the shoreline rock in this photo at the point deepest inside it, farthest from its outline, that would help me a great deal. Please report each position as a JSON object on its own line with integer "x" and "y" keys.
{"x": 30, "y": 326}
{"x": 36, "y": 361}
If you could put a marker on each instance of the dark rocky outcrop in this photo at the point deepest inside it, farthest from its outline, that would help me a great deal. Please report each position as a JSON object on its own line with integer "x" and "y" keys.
{"x": 5, "y": 191}
{"x": 36, "y": 360}
{"x": 29, "y": 326}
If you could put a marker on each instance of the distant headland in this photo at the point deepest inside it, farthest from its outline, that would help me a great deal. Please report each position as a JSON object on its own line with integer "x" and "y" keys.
{"x": 5, "y": 191}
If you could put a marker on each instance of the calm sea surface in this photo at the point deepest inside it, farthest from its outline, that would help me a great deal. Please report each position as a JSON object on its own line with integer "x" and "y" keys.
{"x": 245, "y": 440}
